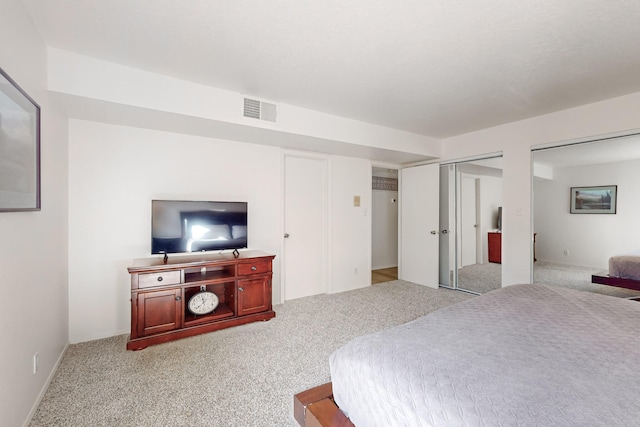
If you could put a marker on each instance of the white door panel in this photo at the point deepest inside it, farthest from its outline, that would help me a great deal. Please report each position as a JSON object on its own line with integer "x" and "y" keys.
{"x": 305, "y": 226}
{"x": 419, "y": 204}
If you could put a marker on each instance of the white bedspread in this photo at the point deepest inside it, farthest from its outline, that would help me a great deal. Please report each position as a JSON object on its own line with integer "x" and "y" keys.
{"x": 524, "y": 355}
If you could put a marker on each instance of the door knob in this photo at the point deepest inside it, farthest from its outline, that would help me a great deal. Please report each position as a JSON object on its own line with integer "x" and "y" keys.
{"x": 286, "y": 235}
{"x": 434, "y": 232}
{"x": 445, "y": 231}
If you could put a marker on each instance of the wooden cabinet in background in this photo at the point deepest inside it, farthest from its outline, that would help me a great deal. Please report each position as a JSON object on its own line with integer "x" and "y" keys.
{"x": 161, "y": 291}
{"x": 495, "y": 247}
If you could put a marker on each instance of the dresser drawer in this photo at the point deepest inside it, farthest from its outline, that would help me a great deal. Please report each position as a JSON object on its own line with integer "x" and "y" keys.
{"x": 254, "y": 268}
{"x": 149, "y": 280}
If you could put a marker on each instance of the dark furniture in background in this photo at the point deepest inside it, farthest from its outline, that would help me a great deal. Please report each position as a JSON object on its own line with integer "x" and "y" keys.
{"x": 495, "y": 247}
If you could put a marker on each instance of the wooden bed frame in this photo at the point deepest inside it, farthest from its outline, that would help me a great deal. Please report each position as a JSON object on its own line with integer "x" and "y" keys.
{"x": 315, "y": 408}
{"x": 603, "y": 278}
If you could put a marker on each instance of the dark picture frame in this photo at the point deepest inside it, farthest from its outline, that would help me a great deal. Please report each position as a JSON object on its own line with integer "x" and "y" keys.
{"x": 19, "y": 148}
{"x": 594, "y": 200}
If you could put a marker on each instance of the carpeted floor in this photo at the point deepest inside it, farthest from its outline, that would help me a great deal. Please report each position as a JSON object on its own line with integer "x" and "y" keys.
{"x": 243, "y": 376}
{"x": 247, "y": 375}
{"x": 482, "y": 278}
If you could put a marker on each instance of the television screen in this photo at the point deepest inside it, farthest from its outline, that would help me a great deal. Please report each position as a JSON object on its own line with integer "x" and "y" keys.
{"x": 193, "y": 226}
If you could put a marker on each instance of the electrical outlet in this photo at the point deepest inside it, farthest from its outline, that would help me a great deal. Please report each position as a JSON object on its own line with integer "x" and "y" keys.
{"x": 36, "y": 360}
{"x": 565, "y": 252}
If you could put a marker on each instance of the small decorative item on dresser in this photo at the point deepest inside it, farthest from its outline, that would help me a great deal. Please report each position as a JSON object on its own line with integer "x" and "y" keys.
{"x": 204, "y": 302}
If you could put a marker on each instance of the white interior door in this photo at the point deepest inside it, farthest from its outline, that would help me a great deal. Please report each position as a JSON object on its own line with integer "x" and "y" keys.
{"x": 305, "y": 226}
{"x": 419, "y": 222}
{"x": 468, "y": 220}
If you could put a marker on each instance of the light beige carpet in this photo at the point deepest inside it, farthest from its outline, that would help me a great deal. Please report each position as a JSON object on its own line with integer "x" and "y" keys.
{"x": 482, "y": 278}
{"x": 243, "y": 376}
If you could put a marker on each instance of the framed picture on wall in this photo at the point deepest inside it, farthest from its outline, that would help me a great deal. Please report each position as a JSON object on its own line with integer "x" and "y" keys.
{"x": 19, "y": 148}
{"x": 594, "y": 200}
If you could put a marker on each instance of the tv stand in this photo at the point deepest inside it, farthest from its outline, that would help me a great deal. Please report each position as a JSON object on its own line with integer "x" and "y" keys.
{"x": 161, "y": 289}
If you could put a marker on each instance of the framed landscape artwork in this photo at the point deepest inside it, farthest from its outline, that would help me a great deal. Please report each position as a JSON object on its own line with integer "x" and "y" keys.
{"x": 19, "y": 148}
{"x": 594, "y": 200}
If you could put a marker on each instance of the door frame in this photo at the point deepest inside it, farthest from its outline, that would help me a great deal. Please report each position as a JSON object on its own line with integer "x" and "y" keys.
{"x": 326, "y": 209}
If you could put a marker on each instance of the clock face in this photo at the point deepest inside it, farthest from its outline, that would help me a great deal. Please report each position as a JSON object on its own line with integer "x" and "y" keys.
{"x": 203, "y": 303}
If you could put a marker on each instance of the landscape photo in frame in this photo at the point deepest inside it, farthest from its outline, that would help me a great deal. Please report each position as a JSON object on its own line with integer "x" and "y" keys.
{"x": 594, "y": 200}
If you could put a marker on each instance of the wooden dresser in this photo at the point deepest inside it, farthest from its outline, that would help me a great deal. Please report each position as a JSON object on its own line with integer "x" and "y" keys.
{"x": 495, "y": 247}
{"x": 161, "y": 291}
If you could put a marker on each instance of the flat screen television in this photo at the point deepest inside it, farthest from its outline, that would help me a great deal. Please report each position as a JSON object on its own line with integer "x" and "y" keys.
{"x": 179, "y": 226}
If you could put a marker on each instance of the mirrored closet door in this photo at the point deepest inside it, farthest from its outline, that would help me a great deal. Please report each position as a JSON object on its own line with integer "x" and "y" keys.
{"x": 586, "y": 205}
{"x": 470, "y": 225}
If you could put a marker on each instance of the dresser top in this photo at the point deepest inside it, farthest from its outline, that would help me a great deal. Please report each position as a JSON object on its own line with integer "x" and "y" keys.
{"x": 176, "y": 261}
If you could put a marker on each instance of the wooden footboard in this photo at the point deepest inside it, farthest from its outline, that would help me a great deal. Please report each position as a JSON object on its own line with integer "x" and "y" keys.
{"x": 603, "y": 278}
{"x": 315, "y": 408}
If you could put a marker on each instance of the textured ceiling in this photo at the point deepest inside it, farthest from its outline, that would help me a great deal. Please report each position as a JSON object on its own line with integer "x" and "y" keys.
{"x": 434, "y": 67}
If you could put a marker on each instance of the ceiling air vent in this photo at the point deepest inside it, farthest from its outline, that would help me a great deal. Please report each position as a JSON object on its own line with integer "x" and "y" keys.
{"x": 255, "y": 109}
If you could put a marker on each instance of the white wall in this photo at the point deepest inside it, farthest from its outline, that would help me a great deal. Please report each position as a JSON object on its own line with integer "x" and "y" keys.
{"x": 384, "y": 229}
{"x": 515, "y": 140}
{"x": 91, "y": 78}
{"x": 590, "y": 239}
{"x": 33, "y": 245}
{"x": 115, "y": 172}
{"x": 351, "y": 234}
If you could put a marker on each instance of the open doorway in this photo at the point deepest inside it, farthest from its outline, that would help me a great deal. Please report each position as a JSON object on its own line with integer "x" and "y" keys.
{"x": 384, "y": 224}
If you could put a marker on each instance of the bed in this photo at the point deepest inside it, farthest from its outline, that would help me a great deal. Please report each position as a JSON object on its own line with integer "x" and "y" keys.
{"x": 522, "y": 355}
{"x": 624, "y": 271}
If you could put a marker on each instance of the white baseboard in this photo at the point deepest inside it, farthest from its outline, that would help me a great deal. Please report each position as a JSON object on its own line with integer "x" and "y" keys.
{"x": 45, "y": 387}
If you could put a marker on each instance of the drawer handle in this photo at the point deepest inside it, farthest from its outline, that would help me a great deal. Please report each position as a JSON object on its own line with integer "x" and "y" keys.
{"x": 178, "y": 298}
{"x": 253, "y": 268}
{"x": 159, "y": 278}
{"x": 241, "y": 289}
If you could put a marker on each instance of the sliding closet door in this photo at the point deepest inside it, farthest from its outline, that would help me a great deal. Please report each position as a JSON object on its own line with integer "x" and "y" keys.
{"x": 419, "y": 223}
{"x": 478, "y": 186}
